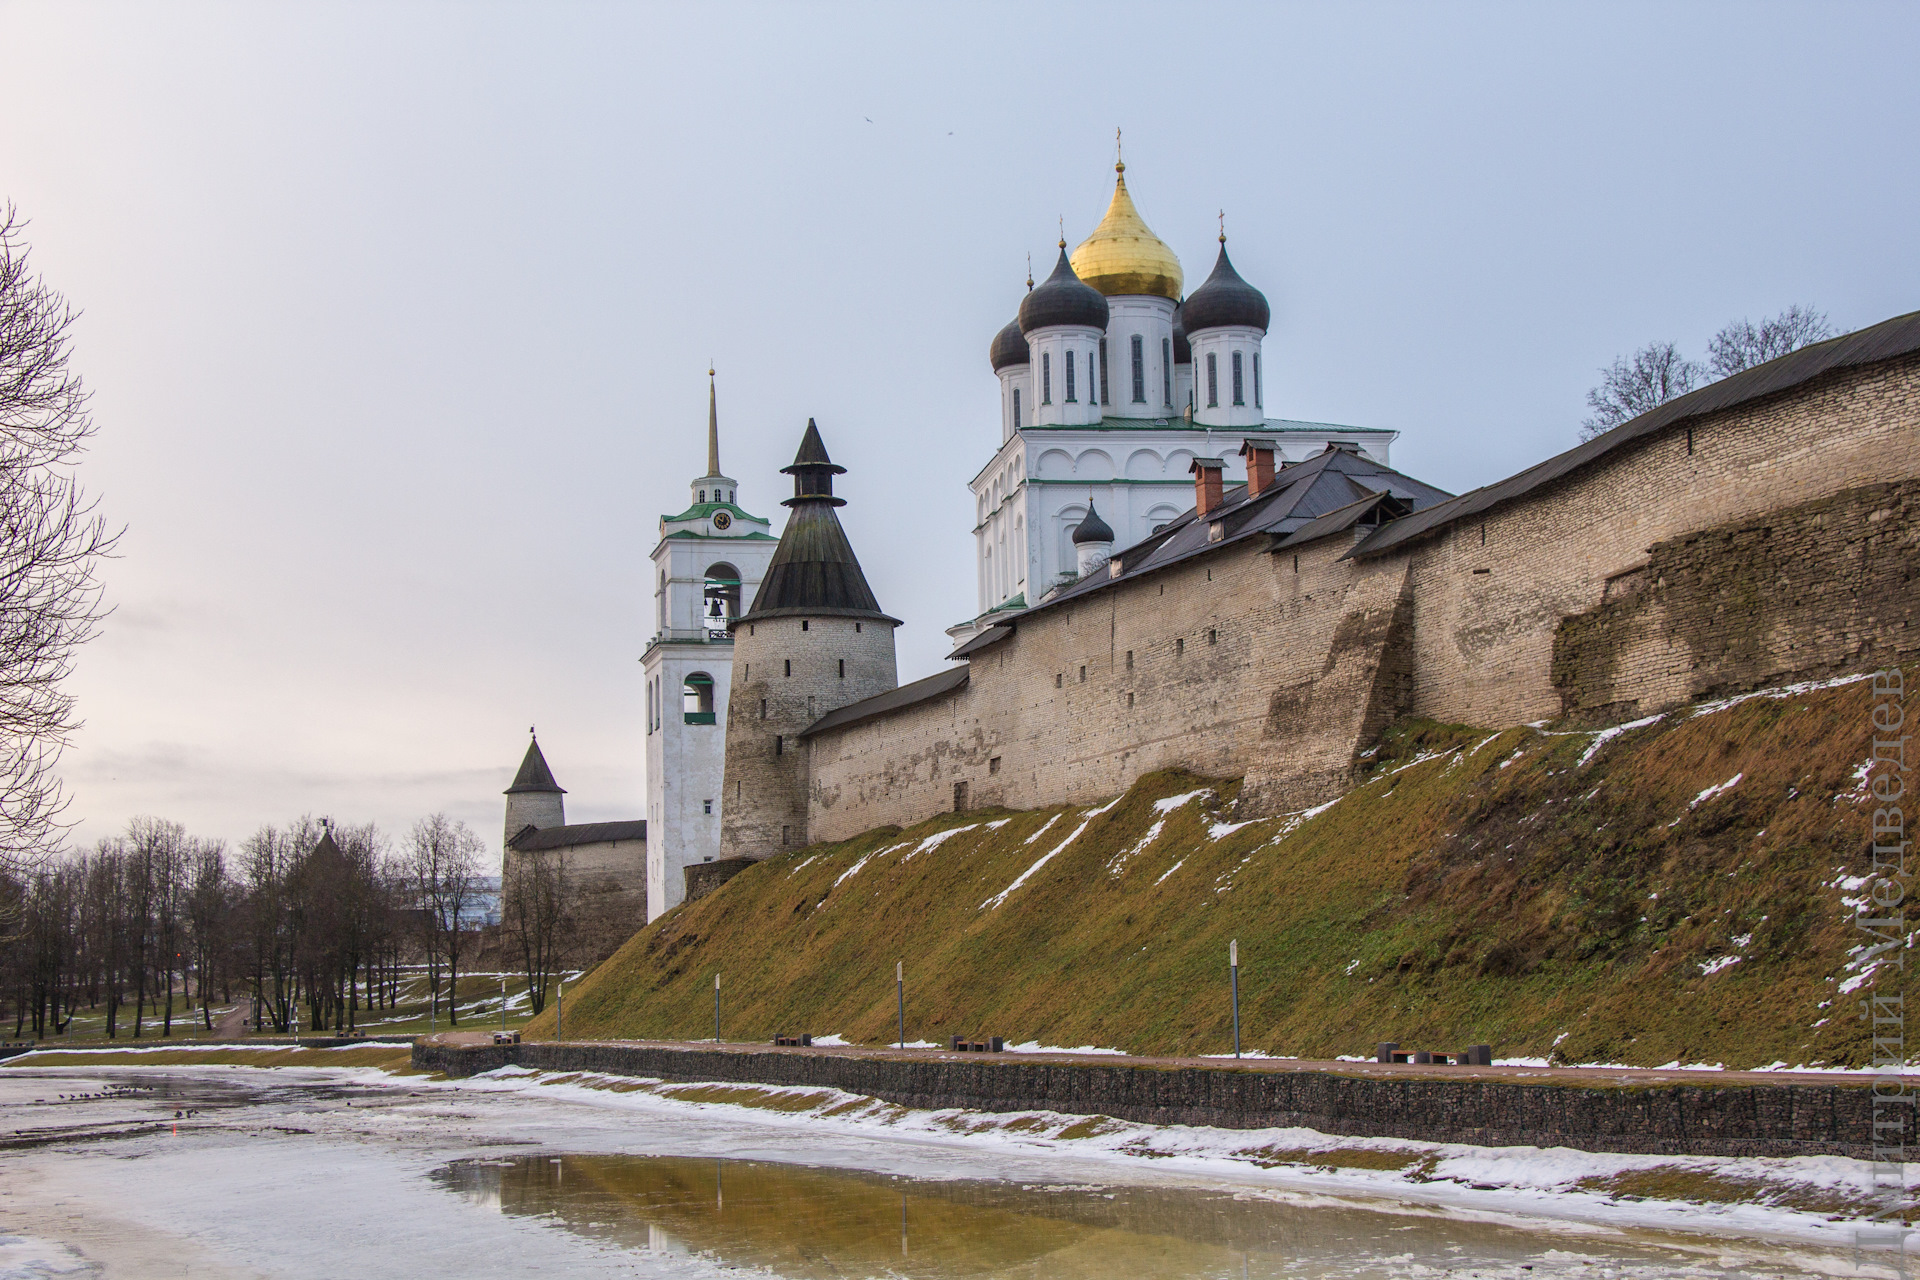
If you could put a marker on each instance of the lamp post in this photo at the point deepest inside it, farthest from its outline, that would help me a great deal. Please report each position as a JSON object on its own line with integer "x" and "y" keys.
{"x": 560, "y": 1012}
{"x": 503, "y": 1002}
{"x": 1233, "y": 968}
{"x": 716, "y": 1006}
{"x": 900, "y": 992}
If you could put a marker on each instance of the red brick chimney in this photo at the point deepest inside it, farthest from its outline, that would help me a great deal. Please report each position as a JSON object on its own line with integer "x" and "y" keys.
{"x": 1259, "y": 456}
{"x": 1206, "y": 485}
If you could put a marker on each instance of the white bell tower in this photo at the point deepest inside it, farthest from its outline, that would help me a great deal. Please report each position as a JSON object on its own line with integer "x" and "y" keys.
{"x": 709, "y": 558}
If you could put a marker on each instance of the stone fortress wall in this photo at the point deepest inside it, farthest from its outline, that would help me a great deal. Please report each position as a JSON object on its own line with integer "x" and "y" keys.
{"x": 1771, "y": 539}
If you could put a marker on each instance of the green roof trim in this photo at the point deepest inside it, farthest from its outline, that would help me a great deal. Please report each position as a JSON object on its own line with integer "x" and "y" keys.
{"x": 721, "y": 537}
{"x": 701, "y": 510}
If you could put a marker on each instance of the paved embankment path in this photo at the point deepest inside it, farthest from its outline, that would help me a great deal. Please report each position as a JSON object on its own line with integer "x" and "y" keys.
{"x": 1653, "y": 1111}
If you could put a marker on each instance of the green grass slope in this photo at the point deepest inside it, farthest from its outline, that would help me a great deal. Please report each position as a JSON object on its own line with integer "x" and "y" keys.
{"x": 1553, "y": 894}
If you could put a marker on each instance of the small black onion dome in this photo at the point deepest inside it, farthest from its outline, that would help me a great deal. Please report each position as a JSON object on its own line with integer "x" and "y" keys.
{"x": 1093, "y": 528}
{"x": 1225, "y": 299}
{"x": 1009, "y": 347}
{"x": 1182, "y": 349}
{"x": 1062, "y": 299}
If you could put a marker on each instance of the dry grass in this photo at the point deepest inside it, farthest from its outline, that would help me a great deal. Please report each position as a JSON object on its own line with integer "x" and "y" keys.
{"x": 1471, "y": 888}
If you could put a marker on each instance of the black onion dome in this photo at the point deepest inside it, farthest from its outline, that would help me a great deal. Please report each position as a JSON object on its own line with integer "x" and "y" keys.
{"x": 1093, "y": 528}
{"x": 1225, "y": 299}
{"x": 1009, "y": 347}
{"x": 1182, "y": 349}
{"x": 1062, "y": 299}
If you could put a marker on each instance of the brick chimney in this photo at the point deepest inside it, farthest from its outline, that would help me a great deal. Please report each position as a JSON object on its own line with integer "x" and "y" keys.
{"x": 1259, "y": 456}
{"x": 1207, "y": 475}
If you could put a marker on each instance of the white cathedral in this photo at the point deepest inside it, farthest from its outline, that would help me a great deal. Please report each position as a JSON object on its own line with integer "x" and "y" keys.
{"x": 1111, "y": 383}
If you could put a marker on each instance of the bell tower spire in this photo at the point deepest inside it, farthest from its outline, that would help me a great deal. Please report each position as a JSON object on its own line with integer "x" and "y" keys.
{"x": 713, "y": 426}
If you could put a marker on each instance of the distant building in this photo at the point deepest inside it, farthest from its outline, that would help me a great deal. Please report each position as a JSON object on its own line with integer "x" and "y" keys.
{"x": 602, "y": 857}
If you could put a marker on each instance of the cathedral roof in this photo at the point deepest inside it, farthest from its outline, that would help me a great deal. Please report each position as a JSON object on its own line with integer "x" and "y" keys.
{"x": 813, "y": 571}
{"x": 534, "y": 774}
{"x": 1225, "y": 299}
{"x": 1093, "y": 528}
{"x": 1122, "y": 256}
{"x": 1009, "y": 346}
{"x": 1062, "y": 299}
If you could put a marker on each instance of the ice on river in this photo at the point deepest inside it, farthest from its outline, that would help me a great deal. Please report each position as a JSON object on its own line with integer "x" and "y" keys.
{"x": 300, "y": 1172}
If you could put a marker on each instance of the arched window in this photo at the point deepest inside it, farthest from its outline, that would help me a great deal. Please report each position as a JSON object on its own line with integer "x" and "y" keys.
{"x": 649, "y": 706}
{"x": 1016, "y": 406}
{"x": 1213, "y": 380}
{"x": 1104, "y": 397}
{"x": 721, "y": 598}
{"x": 1070, "y": 399}
{"x": 1258, "y": 402}
{"x": 1239, "y": 388}
{"x": 696, "y": 699}
{"x": 703, "y": 495}
{"x": 1139, "y": 369}
{"x": 660, "y": 604}
{"x": 1166, "y": 371}
{"x": 1046, "y": 377}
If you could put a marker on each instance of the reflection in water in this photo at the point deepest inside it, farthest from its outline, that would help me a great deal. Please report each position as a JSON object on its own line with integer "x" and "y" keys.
{"x": 803, "y": 1222}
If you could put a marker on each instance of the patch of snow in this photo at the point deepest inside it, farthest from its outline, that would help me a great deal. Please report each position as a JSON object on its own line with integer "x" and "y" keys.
{"x": 1118, "y": 862}
{"x": 1221, "y": 830}
{"x": 937, "y": 839}
{"x": 1044, "y": 858}
{"x": 1483, "y": 742}
{"x": 995, "y": 826}
{"x": 1094, "y": 813}
{"x": 803, "y": 866}
{"x": 1713, "y": 791}
{"x": 1169, "y": 871}
{"x": 1710, "y": 967}
{"x": 854, "y": 870}
{"x": 1034, "y": 1046}
{"x": 1043, "y": 829}
{"x": 1781, "y": 691}
{"x": 1353, "y": 966}
{"x": 1604, "y": 736}
{"x": 1171, "y": 803}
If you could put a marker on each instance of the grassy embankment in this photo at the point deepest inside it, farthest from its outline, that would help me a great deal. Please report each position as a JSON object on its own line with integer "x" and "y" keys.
{"x": 1630, "y": 908}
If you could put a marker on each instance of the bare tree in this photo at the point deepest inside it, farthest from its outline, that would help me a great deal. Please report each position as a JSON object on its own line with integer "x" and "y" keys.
{"x": 442, "y": 860}
{"x": 1631, "y": 385}
{"x": 1743, "y": 344}
{"x": 536, "y": 911}
{"x": 51, "y": 541}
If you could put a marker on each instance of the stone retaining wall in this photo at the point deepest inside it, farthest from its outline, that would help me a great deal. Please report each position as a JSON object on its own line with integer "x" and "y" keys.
{"x": 1703, "y": 1119}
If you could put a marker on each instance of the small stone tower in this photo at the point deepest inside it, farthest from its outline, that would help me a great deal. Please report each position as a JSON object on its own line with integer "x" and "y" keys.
{"x": 534, "y": 799}
{"x": 813, "y": 641}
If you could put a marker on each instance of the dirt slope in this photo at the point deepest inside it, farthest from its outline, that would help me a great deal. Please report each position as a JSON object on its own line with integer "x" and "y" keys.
{"x": 1612, "y": 899}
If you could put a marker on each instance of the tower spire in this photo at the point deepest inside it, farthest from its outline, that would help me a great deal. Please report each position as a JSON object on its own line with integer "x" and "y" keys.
{"x": 713, "y": 426}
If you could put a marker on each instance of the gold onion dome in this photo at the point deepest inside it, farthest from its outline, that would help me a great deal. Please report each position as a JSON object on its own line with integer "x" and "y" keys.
{"x": 1123, "y": 256}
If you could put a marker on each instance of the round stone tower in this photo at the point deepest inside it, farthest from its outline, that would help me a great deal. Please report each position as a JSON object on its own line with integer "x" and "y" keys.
{"x": 534, "y": 799}
{"x": 813, "y": 641}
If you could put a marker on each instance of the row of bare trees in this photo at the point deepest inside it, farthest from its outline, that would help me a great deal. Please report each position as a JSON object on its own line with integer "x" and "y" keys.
{"x": 309, "y": 924}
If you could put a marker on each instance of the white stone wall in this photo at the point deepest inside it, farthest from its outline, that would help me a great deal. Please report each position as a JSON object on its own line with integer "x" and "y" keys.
{"x": 1049, "y": 350}
{"x": 1223, "y": 345}
{"x": 1151, "y": 319}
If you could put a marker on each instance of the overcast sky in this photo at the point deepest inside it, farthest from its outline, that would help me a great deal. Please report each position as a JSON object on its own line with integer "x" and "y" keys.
{"x": 397, "y": 317}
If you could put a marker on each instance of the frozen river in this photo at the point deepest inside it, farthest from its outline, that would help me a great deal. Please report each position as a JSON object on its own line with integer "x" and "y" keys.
{"x": 296, "y": 1172}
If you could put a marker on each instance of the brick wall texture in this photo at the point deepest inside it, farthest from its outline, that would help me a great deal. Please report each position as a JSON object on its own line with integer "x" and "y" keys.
{"x": 1771, "y": 539}
{"x": 1704, "y": 1119}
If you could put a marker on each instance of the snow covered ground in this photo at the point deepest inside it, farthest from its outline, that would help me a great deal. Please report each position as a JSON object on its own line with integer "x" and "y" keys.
{"x": 296, "y": 1171}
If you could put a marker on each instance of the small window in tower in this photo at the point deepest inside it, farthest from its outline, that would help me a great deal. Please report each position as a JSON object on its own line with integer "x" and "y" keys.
{"x": 1166, "y": 372}
{"x": 993, "y": 764}
{"x": 1258, "y": 402}
{"x": 1179, "y": 647}
{"x": 843, "y": 668}
{"x": 706, "y": 806}
{"x": 703, "y": 495}
{"x": 1239, "y": 389}
{"x": 697, "y": 699}
{"x": 1139, "y": 369}
{"x": 763, "y": 708}
{"x": 789, "y": 663}
{"x": 1213, "y": 637}
{"x": 1104, "y": 397}
{"x": 779, "y": 745}
{"x": 959, "y": 797}
{"x": 1213, "y": 380}
{"x": 1083, "y": 675}
{"x": 1016, "y": 409}
{"x": 1129, "y": 701}
{"x": 1046, "y": 377}
{"x": 736, "y": 788}
{"x": 786, "y": 835}
{"x": 1129, "y": 659}
{"x": 856, "y": 628}
{"x": 1070, "y": 399}
{"x": 1058, "y": 680}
